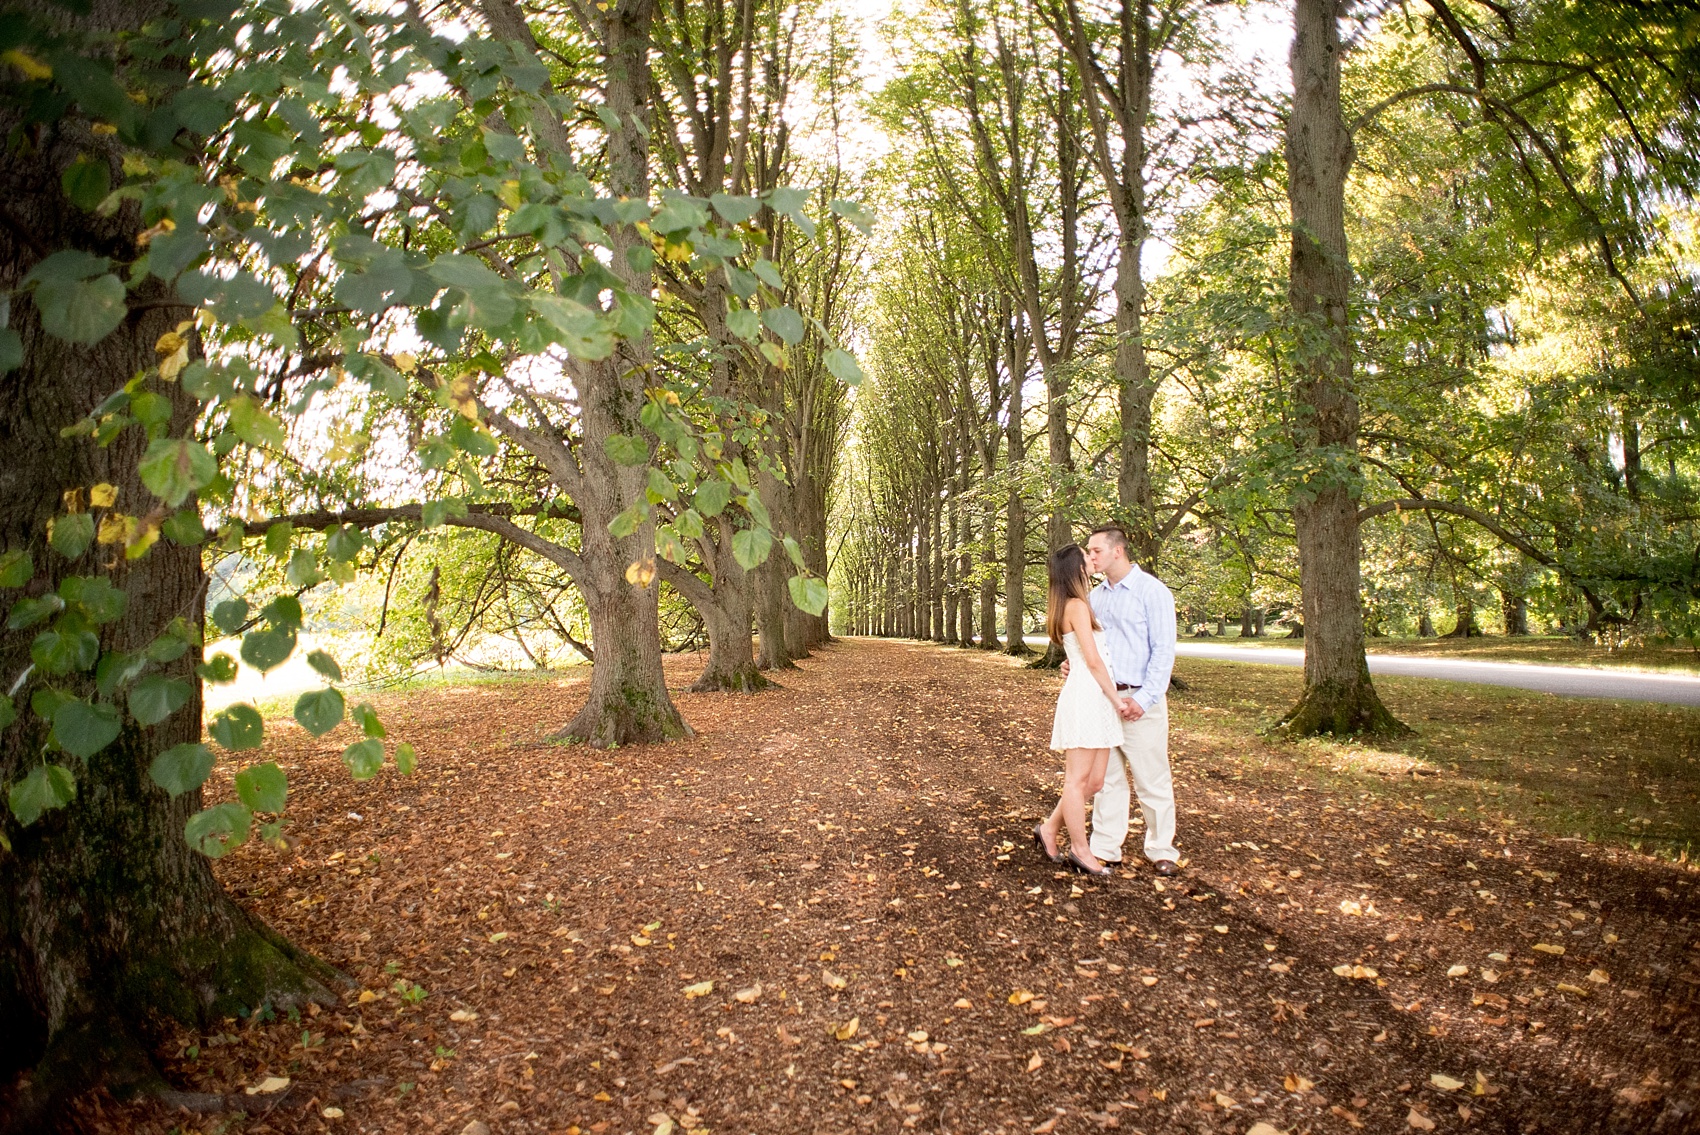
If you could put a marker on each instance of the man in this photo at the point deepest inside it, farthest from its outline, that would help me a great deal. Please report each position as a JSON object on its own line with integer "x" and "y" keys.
{"x": 1138, "y": 616}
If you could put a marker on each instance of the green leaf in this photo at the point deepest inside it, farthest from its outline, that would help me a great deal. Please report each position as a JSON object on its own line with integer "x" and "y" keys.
{"x": 668, "y": 546}
{"x": 251, "y": 422}
{"x": 856, "y": 213}
{"x": 167, "y": 648}
{"x": 689, "y": 525}
{"x": 185, "y": 528}
{"x": 735, "y": 210}
{"x": 72, "y": 534}
{"x": 117, "y": 670}
{"x": 46, "y": 786}
{"x": 795, "y": 551}
{"x": 46, "y": 701}
{"x": 28, "y": 612}
{"x": 750, "y": 547}
{"x": 364, "y": 758}
{"x": 785, "y": 323}
{"x": 303, "y": 570}
{"x": 623, "y": 449}
{"x": 262, "y": 787}
{"x": 325, "y": 665}
{"x": 344, "y": 542}
{"x": 182, "y": 768}
{"x": 156, "y": 697}
{"x": 219, "y": 669}
{"x": 11, "y": 350}
{"x": 843, "y": 366}
{"x": 62, "y": 651}
{"x": 283, "y": 613}
{"x": 319, "y": 711}
{"x": 229, "y": 615}
{"x": 278, "y": 538}
{"x": 81, "y": 311}
{"x": 172, "y": 468}
{"x": 268, "y": 649}
{"x": 712, "y": 496}
{"x": 744, "y": 323}
{"x": 214, "y": 831}
{"x": 808, "y": 593}
{"x": 238, "y": 727}
{"x": 84, "y": 728}
{"x": 368, "y": 719}
{"x": 406, "y": 760}
{"x": 661, "y": 487}
{"x": 627, "y": 522}
{"x": 16, "y": 569}
{"x": 95, "y": 597}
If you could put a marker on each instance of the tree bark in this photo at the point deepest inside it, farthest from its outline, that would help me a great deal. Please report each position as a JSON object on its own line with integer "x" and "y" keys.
{"x": 1516, "y": 612}
{"x": 1339, "y": 697}
{"x": 109, "y": 922}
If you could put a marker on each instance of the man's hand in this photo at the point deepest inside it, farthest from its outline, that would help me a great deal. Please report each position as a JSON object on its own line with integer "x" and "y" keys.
{"x": 1130, "y": 710}
{"x": 1063, "y": 669}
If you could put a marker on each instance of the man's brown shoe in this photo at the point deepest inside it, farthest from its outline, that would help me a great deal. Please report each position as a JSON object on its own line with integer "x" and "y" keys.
{"x": 1166, "y": 867}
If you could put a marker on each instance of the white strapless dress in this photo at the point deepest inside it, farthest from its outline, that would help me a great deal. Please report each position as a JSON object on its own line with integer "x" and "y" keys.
{"x": 1085, "y": 717}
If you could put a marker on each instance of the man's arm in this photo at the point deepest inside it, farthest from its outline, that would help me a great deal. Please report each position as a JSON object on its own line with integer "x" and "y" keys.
{"x": 1160, "y": 627}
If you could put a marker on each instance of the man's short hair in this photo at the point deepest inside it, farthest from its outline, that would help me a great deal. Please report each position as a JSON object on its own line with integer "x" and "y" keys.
{"x": 1117, "y": 535}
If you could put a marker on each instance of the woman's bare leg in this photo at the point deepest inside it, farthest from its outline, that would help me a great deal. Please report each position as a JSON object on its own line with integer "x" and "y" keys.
{"x": 1083, "y": 769}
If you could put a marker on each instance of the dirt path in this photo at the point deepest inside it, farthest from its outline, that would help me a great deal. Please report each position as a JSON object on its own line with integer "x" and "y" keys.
{"x": 821, "y": 915}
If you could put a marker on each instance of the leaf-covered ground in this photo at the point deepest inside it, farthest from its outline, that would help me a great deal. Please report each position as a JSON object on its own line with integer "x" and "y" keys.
{"x": 822, "y": 914}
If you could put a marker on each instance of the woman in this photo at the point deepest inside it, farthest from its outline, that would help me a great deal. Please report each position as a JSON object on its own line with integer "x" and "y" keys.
{"x": 1088, "y": 720}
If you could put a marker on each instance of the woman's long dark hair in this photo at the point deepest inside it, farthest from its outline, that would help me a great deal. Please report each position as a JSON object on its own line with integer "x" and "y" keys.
{"x": 1067, "y": 569}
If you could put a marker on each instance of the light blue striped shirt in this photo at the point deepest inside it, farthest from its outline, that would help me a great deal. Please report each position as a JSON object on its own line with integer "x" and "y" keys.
{"x": 1138, "y": 617}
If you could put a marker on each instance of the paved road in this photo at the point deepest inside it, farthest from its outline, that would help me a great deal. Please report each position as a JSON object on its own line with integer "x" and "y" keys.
{"x": 1571, "y": 681}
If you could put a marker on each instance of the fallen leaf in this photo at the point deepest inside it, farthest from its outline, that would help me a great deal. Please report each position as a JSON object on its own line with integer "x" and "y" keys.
{"x": 462, "y": 1016}
{"x": 1261, "y": 1128}
{"x": 268, "y": 1086}
{"x": 1574, "y": 990}
{"x": 832, "y": 980}
{"x": 1148, "y": 980}
{"x": 1020, "y": 997}
{"x": 918, "y": 1036}
{"x": 1035, "y": 1062}
{"x": 1444, "y": 1082}
{"x": 367, "y": 996}
{"x": 1048, "y": 1126}
{"x": 1357, "y": 973}
{"x": 700, "y": 989}
{"x": 1224, "y": 1101}
{"x": 1599, "y": 977}
{"x": 1548, "y": 948}
{"x": 847, "y": 1029}
{"x": 640, "y": 940}
{"x": 1297, "y": 1083}
{"x": 748, "y": 996}
{"x": 1420, "y": 1121}
{"x": 786, "y": 1038}
{"x": 962, "y": 1003}
{"x": 1457, "y": 971}
{"x": 332, "y": 1113}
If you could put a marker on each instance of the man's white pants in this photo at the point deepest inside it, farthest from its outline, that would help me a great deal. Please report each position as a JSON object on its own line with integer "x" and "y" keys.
{"x": 1143, "y": 754}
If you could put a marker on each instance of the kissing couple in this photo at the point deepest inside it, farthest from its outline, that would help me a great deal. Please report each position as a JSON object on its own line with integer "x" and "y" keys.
{"x": 1112, "y": 720}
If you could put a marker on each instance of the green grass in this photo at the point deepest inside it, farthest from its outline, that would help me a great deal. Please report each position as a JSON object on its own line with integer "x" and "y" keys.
{"x": 1550, "y": 650}
{"x": 1624, "y": 773}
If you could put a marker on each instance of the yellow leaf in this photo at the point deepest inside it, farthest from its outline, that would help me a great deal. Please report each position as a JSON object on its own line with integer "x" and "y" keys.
{"x": 1224, "y": 1101}
{"x": 1575, "y": 990}
{"x": 104, "y": 128}
{"x": 602, "y": 1097}
{"x": 332, "y": 1113}
{"x": 367, "y": 996}
{"x": 103, "y": 495}
{"x": 1148, "y": 980}
{"x": 1548, "y": 948}
{"x": 1599, "y": 977}
{"x": 268, "y": 1086}
{"x": 1264, "y": 1129}
{"x": 1444, "y": 1082}
{"x": 640, "y": 940}
{"x": 700, "y": 989}
{"x": 962, "y": 1003}
{"x": 462, "y": 396}
{"x": 1035, "y": 1062}
{"x": 640, "y": 573}
{"x": 406, "y": 361}
{"x": 463, "y": 1016}
{"x": 918, "y": 1036}
{"x": 115, "y": 528}
{"x": 1356, "y": 972}
{"x": 1020, "y": 997}
{"x": 1420, "y": 1121}
{"x": 1297, "y": 1083}
{"x": 31, "y": 67}
{"x": 848, "y": 1029}
{"x": 1457, "y": 971}
{"x": 748, "y": 996}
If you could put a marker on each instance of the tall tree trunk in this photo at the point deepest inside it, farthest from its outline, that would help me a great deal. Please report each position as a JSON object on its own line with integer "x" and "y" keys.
{"x": 924, "y": 572}
{"x": 1015, "y": 508}
{"x": 1516, "y": 611}
{"x": 988, "y": 577}
{"x": 628, "y": 700}
{"x": 951, "y": 587}
{"x": 109, "y": 922}
{"x": 935, "y": 598}
{"x": 1339, "y": 696}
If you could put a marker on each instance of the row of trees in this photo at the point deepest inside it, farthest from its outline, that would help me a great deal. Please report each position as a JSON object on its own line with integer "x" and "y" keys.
{"x": 1425, "y": 314}
{"x": 302, "y": 293}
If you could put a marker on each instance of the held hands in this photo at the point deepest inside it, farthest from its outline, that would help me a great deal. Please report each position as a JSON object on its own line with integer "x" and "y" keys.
{"x": 1130, "y": 711}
